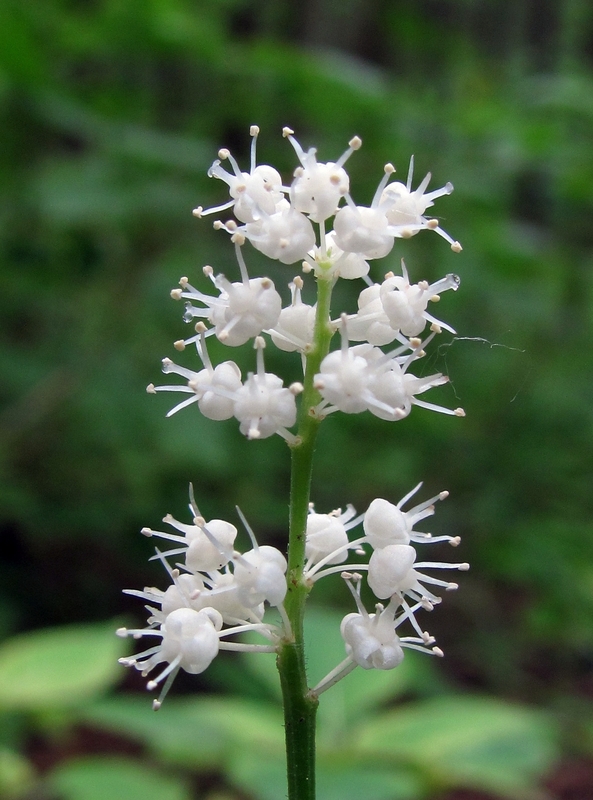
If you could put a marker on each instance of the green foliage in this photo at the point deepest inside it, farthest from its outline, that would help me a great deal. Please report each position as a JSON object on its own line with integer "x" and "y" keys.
{"x": 470, "y": 741}
{"x": 402, "y": 753}
{"x": 58, "y": 667}
{"x": 16, "y": 774}
{"x": 111, "y": 112}
{"x": 194, "y": 732}
{"x": 101, "y": 778}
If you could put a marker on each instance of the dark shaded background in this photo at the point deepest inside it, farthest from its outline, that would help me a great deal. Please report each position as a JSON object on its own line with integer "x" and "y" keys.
{"x": 111, "y": 113}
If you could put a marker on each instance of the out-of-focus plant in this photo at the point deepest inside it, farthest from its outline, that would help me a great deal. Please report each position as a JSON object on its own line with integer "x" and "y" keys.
{"x": 438, "y": 741}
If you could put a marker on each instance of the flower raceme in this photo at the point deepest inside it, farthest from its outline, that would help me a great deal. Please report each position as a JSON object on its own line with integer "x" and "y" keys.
{"x": 279, "y": 221}
{"x": 217, "y": 591}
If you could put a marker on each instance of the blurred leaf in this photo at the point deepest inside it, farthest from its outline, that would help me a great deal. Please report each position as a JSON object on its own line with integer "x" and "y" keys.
{"x": 175, "y": 732}
{"x": 20, "y": 53}
{"x": 371, "y": 782}
{"x": 474, "y": 742}
{"x": 143, "y": 144}
{"x": 262, "y": 776}
{"x": 265, "y": 778}
{"x": 16, "y": 774}
{"x": 193, "y": 731}
{"x": 587, "y": 739}
{"x": 110, "y": 778}
{"x": 94, "y": 190}
{"x": 58, "y": 667}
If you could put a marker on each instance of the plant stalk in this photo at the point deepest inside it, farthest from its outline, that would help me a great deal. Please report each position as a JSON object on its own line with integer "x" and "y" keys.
{"x": 299, "y": 707}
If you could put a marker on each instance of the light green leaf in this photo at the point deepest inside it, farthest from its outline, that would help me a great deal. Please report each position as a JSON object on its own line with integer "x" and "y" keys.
{"x": 371, "y": 783}
{"x": 265, "y": 778}
{"x": 467, "y": 741}
{"x": 16, "y": 774}
{"x": 58, "y": 667}
{"x": 192, "y": 731}
{"x": 110, "y": 778}
{"x": 262, "y": 776}
{"x": 174, "y": 732}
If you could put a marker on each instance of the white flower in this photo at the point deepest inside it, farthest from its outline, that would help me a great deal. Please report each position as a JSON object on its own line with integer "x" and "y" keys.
{"x": 190, "y": 638}
{"x": 296, "y": 323}
{"x": 223, "y": 382}
{"x": 344, "y": 381}
{"x": 371, "y": 323}
{"x": 354, "y": 379}
{"x": 241, "y": 311}
{"x": 328, "y": 261}
{"x": 365, "y": 229}
{"x": 224, "y": 594}
{"x": 205, "y": 552}
{"x": 392, "y": 568}
{"x": 327, "y": 536}
{"x": 213, "y": 388}
{"x": 371, "y": 640}
{"x": 263, "y": 405}
{"x": 405, "y": 304}
{"x": 286, "y": 235}
{"x": 189, "y": 641}
{"x": 253, "y": 192}
{"x": 189, "y": 616}
{"x": 318, "y": 188}
{"x": 216, "y": 591}
{"x": 260, "y": 575}
{"x": 186, "y": 591}
{"x": 395, "y": 212}
{"x": 392, "y": 571}
{"x": 405, "y": 207}
{"x": 386, "y": 524}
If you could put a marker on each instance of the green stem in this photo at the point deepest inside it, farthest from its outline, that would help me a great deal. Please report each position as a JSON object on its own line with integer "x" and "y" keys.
{"x": 299, "y": 708}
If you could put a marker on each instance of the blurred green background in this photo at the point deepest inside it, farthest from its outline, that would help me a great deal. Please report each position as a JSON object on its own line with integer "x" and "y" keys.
{"x": 111, "y": 113}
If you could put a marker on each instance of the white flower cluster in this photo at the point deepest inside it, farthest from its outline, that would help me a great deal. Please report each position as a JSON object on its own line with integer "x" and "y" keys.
{"x": 393, "y": 574}
{"x": 217, "y": 591}
{"x": 278, "y": 221}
